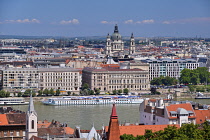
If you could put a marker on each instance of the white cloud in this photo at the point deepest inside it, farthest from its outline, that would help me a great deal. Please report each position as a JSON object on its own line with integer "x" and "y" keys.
{"x": 22, "y": 21}
{"x": 166, "y": 22}
{"x": 108, "y": 22}
{"x": 73, "y": 21}
{"x": 130, "y": 21}
{"x": 188, "y": 20}
{"x": 148, "y": 21}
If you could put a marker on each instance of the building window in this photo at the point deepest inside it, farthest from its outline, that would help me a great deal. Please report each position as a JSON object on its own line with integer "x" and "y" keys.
{"x": 32, "y": 124}
{"x": 17, "y": 133}
{"x": 11, "y": 133}
{"x": 24, "y": 133}
{"x": 5, "y": 134}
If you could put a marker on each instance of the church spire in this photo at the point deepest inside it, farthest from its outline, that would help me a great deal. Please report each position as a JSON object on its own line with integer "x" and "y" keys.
{"x": 132, "y": 35}
{"x": 113, "y": 130}
{"x": 31, "y": 120}
{"x": 31, "y": 105}
{"x": 114, "y": 113}
{"x": 116, "y": 29}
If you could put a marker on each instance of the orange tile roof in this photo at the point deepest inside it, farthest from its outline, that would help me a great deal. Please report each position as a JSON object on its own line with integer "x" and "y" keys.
{"x": 43, "y": 125}
{"x": 140, "y": 129}
{"x": 174, "y": 107}
{"x": 202, "y": 115}
{"x": 3, "y": 119}
{"x": 69, "y": 130}
{"x": 110, "y": 65}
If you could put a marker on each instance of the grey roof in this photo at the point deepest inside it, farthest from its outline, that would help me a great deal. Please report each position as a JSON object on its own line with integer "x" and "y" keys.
{"x": 173, "y": 112}
{"x": 182, "y": 111}
{"x": 57, "y": 69}
{"x": 93, "y": 134}
{"x": 31, "y": 106}
{"x": 189, "y": 111}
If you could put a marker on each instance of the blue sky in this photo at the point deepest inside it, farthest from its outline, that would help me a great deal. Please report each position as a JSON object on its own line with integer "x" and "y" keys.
{"x": 71, "y": 18}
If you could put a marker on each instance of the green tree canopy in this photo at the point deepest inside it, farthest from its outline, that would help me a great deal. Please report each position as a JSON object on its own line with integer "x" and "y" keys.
{"x": 125, "y": 91}
{"x": 114, "y": 92}
{"x": 164, "y": 81}
{"x": 57, "y": 93}
{"x": 196, "y": 76}
{"x": 85, "y": 86}
{"x": 46, "y": 91}
{"x": 51, "y": 91}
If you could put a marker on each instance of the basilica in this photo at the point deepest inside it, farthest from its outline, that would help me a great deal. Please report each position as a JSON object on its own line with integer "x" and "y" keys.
{"x": 115, "y": 44}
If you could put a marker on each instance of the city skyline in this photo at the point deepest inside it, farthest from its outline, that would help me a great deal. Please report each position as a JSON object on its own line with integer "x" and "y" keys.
{"x": 71, "y": 18}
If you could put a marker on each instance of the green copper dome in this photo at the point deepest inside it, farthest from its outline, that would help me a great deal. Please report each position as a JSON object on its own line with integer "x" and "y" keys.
{"x": 116, "y": 35}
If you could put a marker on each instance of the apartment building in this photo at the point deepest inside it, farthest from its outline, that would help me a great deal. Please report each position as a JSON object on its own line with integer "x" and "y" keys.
{"x": 159, "y": 112}
{"x": 169, "y": 67}
{"x": 18, "y": 79}
{"x": 68, "y": 79}
{"x": 109, "y": 79}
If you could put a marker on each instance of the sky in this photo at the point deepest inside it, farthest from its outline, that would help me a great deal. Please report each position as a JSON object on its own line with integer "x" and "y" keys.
{"x": 74, "y": 18}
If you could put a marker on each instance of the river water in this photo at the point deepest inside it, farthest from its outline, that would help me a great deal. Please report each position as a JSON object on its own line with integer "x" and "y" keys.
{"x": 87, "y": 115}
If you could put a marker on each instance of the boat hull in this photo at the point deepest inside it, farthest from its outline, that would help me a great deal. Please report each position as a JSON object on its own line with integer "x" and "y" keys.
{"x": 60, "y": 101}
{"x": 202, "y": 97}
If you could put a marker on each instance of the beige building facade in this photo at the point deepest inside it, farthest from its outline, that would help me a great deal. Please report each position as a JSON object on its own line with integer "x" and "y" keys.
{"x": 19, "y": 79}
{"x": 67, "y": 79}
{"x": 109, "y": 79}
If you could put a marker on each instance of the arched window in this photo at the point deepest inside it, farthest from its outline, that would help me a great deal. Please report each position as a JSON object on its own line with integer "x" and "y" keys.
{"x": 32, "y": 124}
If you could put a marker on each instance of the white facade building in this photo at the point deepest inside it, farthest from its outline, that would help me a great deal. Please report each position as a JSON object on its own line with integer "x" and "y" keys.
{"x": 17, "y": 79}
{"x": 68, "y": 79}
{"x": 158, "y": 112}
{"x": 169, "y": 67}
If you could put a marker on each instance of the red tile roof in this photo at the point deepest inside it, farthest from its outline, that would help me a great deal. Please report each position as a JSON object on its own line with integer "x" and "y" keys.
{"x": 3, "y": 119}
{"x": 140, "y": 129}
{"x": 202, "y": 115}
{"x": 174, "y": 107}
{"x": 69, "y": 130}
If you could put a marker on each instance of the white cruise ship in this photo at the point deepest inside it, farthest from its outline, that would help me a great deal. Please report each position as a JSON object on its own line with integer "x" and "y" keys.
{"x": 93, "y": 100}
{"x": 13, "y": 101}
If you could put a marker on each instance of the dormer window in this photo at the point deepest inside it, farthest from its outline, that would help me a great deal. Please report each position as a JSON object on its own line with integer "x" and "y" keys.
{"x": 173, "y": 113}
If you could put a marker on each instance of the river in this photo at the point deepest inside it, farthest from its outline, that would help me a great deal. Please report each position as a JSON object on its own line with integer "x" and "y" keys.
{"x": 87, "y": 115}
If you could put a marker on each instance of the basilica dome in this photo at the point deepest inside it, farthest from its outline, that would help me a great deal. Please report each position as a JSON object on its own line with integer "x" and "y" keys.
{"x": 116, "y": 35}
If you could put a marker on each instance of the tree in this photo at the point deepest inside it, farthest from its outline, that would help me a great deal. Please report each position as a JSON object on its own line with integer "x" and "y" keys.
{"x": 119, "y": 91}
{"x": 97, "y": 91}
{"x": 91, "y": 92}
{"x": 203, "y": 74}
{"x": 51, "y": 91}
{"x": 185, "y": 76}
{"x": 2, "y": 94}
{"x": 194, "y": 77}
{"x": 27, "y": 93}
{"x": 57, "y": 92}
{"x": 69, "y": 93}
{"x": 85, "y": 86}
{"x": 19, "y": 94}
{"x": 40, "y": 92}
{"x": 164, "y": 81}
{"x": 46, "y": 92}
{"x": 7, "y": 94}
{"x": 114, "y": 92}
{"x": 33, "y": 94}
{"x": 125, "y": 91}
{"x": 191, "y": 88}
{"x": 156, "y": 81}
